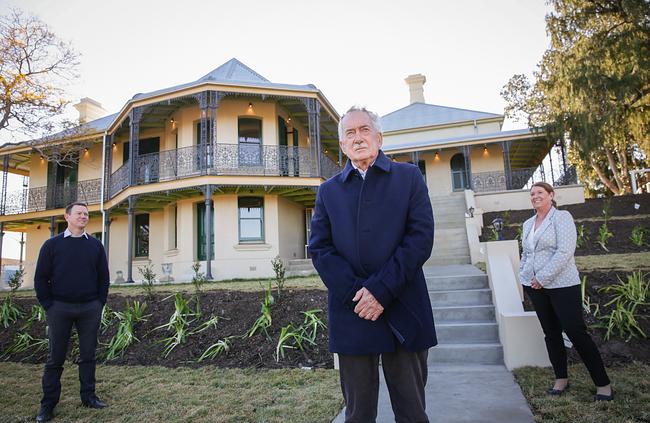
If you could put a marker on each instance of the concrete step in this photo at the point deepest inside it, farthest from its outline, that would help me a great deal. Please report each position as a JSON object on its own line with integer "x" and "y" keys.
{"x": 444, "y": 260}
{"x": 451, "y": 250}
{"x": 478, "y": 353}
{"x": 460, "y": 297}
{"x": 296, "y": 262}
{"x": 445, "y": 283}
{"x": 476, "y": 313}
{"x": 465, "y": 332}
{"x": 305, "y": 266}
{"x": 296, "y": 273}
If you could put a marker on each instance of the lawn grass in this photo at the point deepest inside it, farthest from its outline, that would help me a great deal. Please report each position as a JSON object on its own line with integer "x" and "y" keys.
{"x": 631, "y": 383}
{"x": 625, "y": 262}
{"x": 152, "y": 394}
{"x": 306, "y": 282}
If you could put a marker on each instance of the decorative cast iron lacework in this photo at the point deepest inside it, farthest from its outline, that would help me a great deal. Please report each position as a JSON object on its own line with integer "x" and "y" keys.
{"x": 223, "y": 159}
{"x": 55, "y": 196}
{"x": 521, "y": 179}
{"x": 169, "y": 165}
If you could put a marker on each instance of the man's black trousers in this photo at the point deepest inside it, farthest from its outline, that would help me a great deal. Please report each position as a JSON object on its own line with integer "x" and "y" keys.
{"x": 406, "y": 376}
{"x": 61, "y": 316}
{"x": 561, "y": 309}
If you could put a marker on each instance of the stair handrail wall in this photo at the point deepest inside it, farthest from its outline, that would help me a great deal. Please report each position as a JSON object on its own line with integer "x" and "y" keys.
{"x": 520, "y": 332}
{"x": 473, "y": 226}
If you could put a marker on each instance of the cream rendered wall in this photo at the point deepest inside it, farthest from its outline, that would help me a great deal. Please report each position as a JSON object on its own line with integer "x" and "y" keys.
{"x": 90, "y": 163}
{"x": 37, "y": 171}
{"x": 229, "y": 112}
{"x": 490, "y": 161}
{"x": 443, "y": 133}
{"x": 439, "y": 169}
{"x": 235, "y": 260}
{"x": 291, "y": 229}
{"x": 34, "y": 238}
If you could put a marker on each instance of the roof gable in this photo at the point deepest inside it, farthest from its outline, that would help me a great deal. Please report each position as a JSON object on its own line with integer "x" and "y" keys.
{"x": 418, "y": 115}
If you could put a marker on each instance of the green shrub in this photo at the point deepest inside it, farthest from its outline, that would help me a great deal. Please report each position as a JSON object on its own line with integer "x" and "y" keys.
{"x": 628, "y": 298}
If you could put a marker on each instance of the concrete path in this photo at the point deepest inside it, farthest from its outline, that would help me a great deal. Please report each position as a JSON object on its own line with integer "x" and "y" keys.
{"x": 465, "y": 393}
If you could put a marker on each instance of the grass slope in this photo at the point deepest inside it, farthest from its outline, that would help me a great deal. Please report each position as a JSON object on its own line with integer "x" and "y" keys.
{"x": 151, "y": 394}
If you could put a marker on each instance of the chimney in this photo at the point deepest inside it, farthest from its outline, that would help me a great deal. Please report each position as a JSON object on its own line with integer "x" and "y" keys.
{"x": 89, "y": 110}
{"x": 416, "y": 87}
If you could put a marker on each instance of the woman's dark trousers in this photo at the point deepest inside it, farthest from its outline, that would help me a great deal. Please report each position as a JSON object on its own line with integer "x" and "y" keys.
{"x": 561, "y": 309}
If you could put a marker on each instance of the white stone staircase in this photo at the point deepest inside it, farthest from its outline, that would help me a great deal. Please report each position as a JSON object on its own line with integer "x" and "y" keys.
{"x": 450, "y": 244}
{"x": 464, "y": 316}
{"x": 300, "y": 267}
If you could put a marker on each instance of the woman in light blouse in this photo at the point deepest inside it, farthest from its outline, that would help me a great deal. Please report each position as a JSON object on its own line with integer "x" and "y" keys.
{"x": 550, "y": 278}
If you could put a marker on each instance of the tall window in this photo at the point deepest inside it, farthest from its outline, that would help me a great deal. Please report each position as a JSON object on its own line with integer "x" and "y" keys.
{"x": 251, "y": 219}
{"x": 459, "y": 176}
{"x": 250, "y": 141}
{"x": 200, "y": 233}
{"x": 142, "y": 235}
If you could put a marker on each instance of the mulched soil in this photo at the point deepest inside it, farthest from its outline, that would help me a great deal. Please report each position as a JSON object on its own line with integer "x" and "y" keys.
{"x": 621, "y": 229}
{"x": 238, "y": 311}
{"x": 614, "y": 351}
{"x": 592, "y": 207}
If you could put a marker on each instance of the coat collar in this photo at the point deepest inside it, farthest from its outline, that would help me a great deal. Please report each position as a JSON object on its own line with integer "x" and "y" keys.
{"x": 381, "y": 162}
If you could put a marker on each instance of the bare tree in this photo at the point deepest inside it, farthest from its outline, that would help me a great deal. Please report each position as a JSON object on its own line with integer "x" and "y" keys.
{"x": 34, "y": 66}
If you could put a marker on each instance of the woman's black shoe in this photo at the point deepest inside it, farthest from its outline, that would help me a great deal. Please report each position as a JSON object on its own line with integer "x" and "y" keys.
{"x": 601, "y": 397}
{"x": 557, "y": 392}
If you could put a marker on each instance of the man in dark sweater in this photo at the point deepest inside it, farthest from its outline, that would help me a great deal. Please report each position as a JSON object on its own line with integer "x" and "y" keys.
{"x": 71, "y": 282}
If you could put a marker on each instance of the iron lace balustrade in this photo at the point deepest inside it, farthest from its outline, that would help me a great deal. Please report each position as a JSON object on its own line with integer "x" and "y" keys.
{"x": 223, "y": 159}
{"x": 522, "y": 178}
{"x": 53, "y": 197}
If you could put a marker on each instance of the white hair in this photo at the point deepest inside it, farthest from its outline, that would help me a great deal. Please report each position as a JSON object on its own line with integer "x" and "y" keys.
{"x": 374, "y": 119}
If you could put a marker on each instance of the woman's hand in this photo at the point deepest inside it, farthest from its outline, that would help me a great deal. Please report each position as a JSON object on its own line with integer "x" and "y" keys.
{"x": 535, "y": 284}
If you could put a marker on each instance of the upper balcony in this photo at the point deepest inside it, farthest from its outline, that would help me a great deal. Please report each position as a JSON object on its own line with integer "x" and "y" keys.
{"x": 177, "y": 164}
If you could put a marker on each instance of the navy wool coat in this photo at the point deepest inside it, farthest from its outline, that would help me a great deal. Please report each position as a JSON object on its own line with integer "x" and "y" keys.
{"x": 375, "y": 233}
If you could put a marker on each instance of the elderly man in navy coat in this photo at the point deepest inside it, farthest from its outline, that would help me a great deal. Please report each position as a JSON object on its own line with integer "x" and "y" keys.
{"x": 371, "y": 233}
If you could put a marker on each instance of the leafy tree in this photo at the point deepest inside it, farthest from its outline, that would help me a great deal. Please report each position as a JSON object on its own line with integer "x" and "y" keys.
{"x": 592, "y": 88}
{"x": 34, "y": 65}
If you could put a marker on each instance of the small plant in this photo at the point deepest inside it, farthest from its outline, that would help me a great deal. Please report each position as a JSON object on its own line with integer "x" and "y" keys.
{"x": 10, "y": 312}
{"x": 148, "y": 279}
{"x": 290, "y": 338}
{"x": 586, "y": 301}
{"x": 23, "y": 341}
{"x": 37, "y": 315}
{"x": 265, "y": 319}
{"x": 107, "y": 318}
{"x": 218, "y": 348}
{"x": 638, "y": 236}
{"x": 494, "y": 234}
{"x": 179, "y": 323}
{"x": 125, "y": 335}
{"x": 519, "y": 236}
{"x": 210, "y": 323}
{"x": 16, "y": 280}
{"x": 603, "y": 236}
{"x": 280, "y": 271}
{"x": 198, "y": 280}
{"x": 607, "y": 209}
{"x": 583, "y": 235}
{"x": 628, "y": 296}
{"x": 506, "y": 217}
{"x": 312, "y": 324}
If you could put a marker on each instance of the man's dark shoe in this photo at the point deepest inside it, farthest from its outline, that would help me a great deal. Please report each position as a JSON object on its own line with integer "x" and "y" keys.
{"x": 94, "y": 402}
{"x": 44, "y": 415}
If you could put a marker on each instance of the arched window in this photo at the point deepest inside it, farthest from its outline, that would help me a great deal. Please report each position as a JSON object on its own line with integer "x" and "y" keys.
{"x": 459, "y": 176}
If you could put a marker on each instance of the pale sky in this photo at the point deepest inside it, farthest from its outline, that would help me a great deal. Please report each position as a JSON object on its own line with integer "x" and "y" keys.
{"x": 354, "y": 51}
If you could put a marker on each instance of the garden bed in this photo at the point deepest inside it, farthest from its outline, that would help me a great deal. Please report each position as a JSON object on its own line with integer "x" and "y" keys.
{"x": 237, "y": 312}
{"x": 616, "y": 350}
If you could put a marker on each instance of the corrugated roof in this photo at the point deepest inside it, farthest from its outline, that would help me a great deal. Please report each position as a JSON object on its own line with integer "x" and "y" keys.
{"x": 233, "y": 72}
{"x": 435, "y": 142}
{"x": 418, "y": 115}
